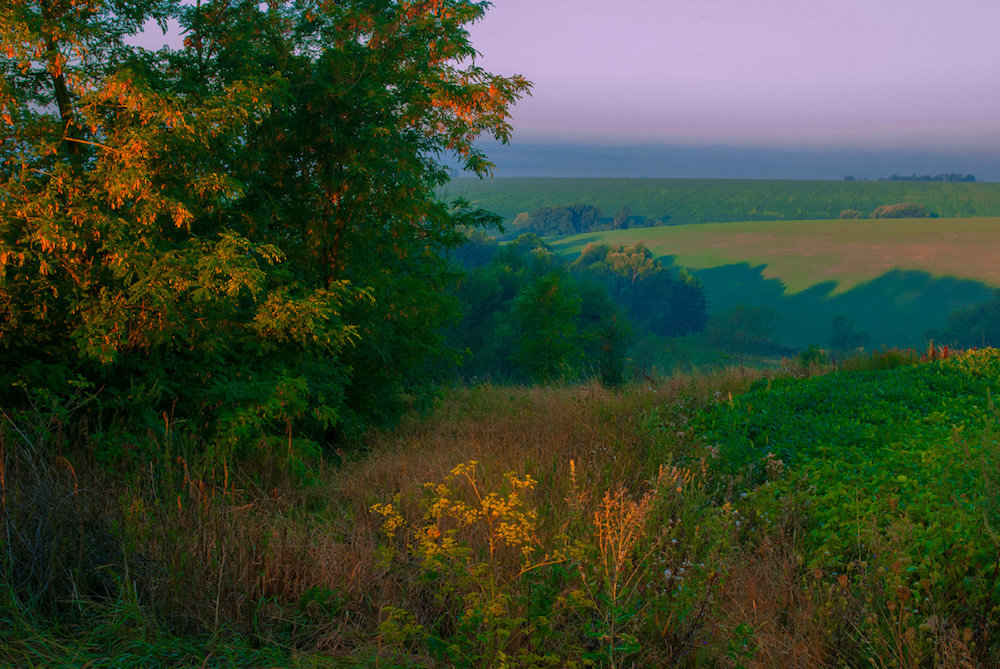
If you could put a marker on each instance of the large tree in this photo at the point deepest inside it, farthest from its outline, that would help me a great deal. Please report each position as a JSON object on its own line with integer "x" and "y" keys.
{"x": 244, "y": 230}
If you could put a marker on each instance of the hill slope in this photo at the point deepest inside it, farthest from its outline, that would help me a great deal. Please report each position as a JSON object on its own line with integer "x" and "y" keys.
{"x": 895, "y": 278}
{"x": 724, "y": 200}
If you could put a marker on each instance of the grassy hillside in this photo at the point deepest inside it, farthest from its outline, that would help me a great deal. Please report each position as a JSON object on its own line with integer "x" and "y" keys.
{"x": 895, "y": 278}
{"x": 848, "y": 519}
{"x": 722, "y": 200}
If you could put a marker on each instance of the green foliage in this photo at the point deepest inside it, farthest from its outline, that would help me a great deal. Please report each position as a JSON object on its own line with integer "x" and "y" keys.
{"x": 744, "y": 329}
{"x": 524, "y": 317}
{"x": 577, "y": 218}
{"x": 902, "y": 210}
{"x": 668, "y": 306}
{"x": 975, "y": 326}
{"x": 813, "y": 357}
{"x": 244, "y": 231}
{"x": 544, "y": 315}
{"x": 894, "y": 473}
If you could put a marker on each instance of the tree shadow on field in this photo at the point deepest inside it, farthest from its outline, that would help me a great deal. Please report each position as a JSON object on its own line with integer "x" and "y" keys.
{"x": 560, "y": 245}
{"x": 895, "y": 309}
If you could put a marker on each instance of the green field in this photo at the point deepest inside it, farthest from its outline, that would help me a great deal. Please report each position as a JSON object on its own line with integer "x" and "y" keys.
{"x": 725, "y": 200}
{"x": 895, "y": 278}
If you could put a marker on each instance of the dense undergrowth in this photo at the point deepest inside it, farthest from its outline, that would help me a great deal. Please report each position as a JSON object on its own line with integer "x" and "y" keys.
{"x": 846, "y": 519}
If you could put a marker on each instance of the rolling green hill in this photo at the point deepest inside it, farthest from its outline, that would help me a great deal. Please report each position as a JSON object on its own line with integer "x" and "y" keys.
{"x": 724, "y": 200}
{"x": 895, "y": 278}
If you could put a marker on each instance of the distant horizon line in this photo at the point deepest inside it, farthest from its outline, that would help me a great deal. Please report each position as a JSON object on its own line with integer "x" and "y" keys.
{"x": 673, "y": 144}
{"x": 721, "y": 161}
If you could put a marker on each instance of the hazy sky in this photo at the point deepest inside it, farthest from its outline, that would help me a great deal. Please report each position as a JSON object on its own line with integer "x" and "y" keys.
{"x": 919, "y": 74}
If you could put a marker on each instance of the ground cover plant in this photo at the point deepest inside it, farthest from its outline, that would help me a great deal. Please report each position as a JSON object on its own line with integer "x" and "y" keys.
{"x": 898, "y": 468}
{"x": 721, "y": 200}
{"x": 224, "y": 276}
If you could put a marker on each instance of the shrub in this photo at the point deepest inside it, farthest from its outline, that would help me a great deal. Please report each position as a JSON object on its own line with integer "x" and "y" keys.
{"x": 813, "y": 357}
{"x": 902, "y": 210}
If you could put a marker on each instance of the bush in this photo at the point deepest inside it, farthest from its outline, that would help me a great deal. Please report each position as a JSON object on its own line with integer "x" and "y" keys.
{"x": 813, "y": 357}
{"x": 902, "y": 210}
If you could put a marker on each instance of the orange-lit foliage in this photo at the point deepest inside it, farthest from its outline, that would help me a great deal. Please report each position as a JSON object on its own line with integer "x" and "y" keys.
{"x": 207, "y": 228}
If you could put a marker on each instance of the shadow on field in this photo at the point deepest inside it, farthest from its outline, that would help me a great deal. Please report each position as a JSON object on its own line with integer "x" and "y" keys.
{"x": 559, "y": 244}
{"x": 895, "y": 309}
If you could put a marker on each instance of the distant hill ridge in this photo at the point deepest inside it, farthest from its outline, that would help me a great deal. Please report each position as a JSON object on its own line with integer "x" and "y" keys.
{"x": 537, "y": 159}
{"x": 726, "y": 200}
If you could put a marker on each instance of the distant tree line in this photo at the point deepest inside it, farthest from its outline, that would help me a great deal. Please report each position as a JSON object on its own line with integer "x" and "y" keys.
{"x": 902, "y": 210}
{"x": 951, "y": 177}
{"x": 972, "y": 327}
{"x": 529, "y": 316}
{"x": 898, "y": 210}
{"x": 577, "y": 218}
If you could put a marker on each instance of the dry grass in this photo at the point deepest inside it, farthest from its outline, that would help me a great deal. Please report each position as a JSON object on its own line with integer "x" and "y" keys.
{"x": 254, "y": 551}
{"x": 589, "y": 527}
{"x": 511, "y": 428}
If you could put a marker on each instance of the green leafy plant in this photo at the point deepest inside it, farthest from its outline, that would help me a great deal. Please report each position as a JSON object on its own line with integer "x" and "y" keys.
{"x": 894, "y": 474}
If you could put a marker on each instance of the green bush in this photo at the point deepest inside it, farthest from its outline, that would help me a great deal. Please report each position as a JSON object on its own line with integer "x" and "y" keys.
{"x": 902, "y": 210}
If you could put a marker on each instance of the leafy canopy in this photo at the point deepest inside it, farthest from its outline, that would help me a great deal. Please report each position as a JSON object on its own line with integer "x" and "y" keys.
{"x": 244, "y": 230}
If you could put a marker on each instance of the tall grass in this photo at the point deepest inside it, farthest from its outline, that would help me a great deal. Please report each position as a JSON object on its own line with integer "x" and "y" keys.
{"x": 510, "y": 527}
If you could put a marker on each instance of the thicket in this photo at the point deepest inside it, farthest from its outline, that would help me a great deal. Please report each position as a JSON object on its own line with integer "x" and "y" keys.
{"x": 902, "y": 210}
{"x": 844, "y": 337}
{"x": 746, "y": 329}
{"x": 243, "y": 233}
{"x": 972, "y": 327}
{"x": 665, "y": 304}
{"x": 528, "y": 316}
{"x": 574, "y": 219}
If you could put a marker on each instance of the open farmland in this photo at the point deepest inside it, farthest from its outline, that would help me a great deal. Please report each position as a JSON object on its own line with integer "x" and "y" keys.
{"x": 725, "y": 200}
{"x": 895, "y": 278}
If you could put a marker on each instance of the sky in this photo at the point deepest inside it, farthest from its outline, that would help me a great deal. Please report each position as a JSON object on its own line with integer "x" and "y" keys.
{"x": 788, "y": 74}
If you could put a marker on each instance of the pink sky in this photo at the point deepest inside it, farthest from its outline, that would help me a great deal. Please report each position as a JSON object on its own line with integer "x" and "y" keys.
{"x": 920, "y": 74}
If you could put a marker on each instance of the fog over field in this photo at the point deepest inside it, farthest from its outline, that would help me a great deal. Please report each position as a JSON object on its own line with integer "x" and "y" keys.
{"x": 540, "y": 159}
{"x": 775, "y": 74}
